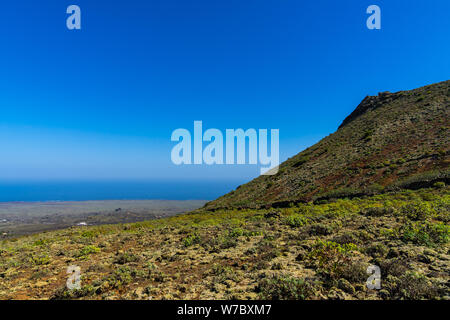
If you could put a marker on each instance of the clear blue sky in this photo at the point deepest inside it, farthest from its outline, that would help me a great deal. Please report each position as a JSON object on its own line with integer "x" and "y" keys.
{"x": 102, "y": 102}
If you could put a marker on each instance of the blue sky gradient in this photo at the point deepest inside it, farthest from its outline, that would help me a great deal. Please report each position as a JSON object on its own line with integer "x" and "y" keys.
{"x": 101, "y": 103}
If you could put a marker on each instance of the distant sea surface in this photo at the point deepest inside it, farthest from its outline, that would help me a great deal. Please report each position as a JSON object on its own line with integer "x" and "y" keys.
{"x": 113, "y": 190}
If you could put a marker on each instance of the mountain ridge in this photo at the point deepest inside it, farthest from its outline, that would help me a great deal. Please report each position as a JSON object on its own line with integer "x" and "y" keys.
{"x": 386, "y": 140}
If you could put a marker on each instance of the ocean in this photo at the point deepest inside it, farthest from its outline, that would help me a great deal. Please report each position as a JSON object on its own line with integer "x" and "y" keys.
{"x": 113, "y": 190}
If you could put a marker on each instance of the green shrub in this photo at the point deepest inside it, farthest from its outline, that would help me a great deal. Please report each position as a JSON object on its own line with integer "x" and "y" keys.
{"x": 413, "y": 286}
{"x": 121, "y": 276}
{"x": 425, "y": 233}
{"x": 228, "y": 242}
{"x": 126, "y": 258}
{"x": 377, "y": 250}
{"x": 320, "y": 229}
{"x": 191, "y": 240}
{"x": 280, "y": 287}
{"x": 40, "y": 260}
{"x": 223, "y": 273}
{"x": 87, "y": 250}
{"x": 296, "y": 221}
{"x": 65, "y": 294}
{"x": 238, "y": 232}
{"x": 439, "y": 185}
{"x": 41, "y": 242}
{"x": 418, "y": 211}
{"x": 90, "y": 234}
{"x": 333, "y": 260}
{"x": 378, "y": 211}
{"x": 394, "y": 267}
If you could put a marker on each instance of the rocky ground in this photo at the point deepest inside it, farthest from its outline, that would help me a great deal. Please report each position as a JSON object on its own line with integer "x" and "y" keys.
{"x": 20, "y": 218}
{"x": 307, "y": 251}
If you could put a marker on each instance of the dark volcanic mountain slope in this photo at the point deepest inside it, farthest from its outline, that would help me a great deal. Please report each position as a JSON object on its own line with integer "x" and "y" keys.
{"x": 393, "y": 140}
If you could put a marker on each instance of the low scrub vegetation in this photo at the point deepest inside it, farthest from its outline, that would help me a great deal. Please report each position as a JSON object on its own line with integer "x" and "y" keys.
{"x": 305, "y": 251}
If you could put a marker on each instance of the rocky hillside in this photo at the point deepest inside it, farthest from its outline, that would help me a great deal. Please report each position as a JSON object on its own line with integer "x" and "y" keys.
{"x": 390, "y": 141}
{"x": 363, "y": 215}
